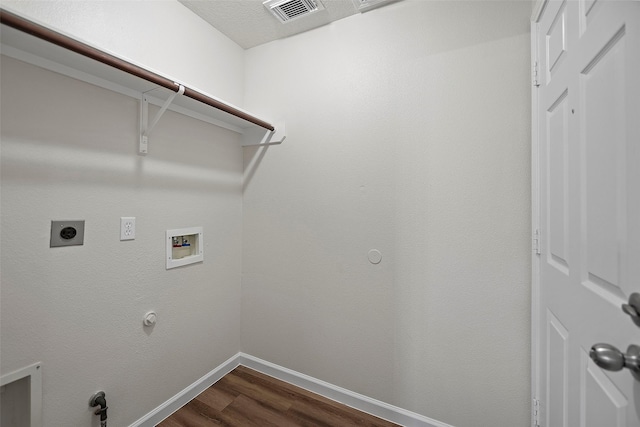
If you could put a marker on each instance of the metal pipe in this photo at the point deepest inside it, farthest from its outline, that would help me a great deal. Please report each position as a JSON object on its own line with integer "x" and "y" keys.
{"x": 99, "y": 399}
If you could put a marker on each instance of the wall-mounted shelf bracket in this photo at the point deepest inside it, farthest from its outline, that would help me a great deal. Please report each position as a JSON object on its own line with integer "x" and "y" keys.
{"x": 145, "y": 127}
{"x": 259, "y": 136}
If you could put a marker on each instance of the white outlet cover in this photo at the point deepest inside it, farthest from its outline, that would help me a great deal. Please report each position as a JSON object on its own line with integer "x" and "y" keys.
{"x": 127, "y": 228}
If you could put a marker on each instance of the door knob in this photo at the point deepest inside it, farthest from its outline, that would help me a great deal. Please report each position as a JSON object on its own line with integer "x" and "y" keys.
{"x": 632, "y": 308}
{"x": 610, "y": 358}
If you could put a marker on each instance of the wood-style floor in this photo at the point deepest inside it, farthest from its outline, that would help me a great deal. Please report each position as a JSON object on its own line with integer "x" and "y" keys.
{"x": 247, "y": 398}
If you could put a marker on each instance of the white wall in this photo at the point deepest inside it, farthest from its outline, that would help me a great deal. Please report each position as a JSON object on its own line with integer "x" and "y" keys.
{"x": 408, "y": 132}
{"x": 159, "y": 35}
{"x": 69, "y": 152}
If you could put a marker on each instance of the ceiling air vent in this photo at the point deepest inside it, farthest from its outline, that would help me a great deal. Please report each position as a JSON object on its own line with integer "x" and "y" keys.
{"x": 288, "y": 10}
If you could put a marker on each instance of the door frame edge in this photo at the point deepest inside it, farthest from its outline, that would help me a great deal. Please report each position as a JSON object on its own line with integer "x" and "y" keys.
{"x": 535, "y": 221}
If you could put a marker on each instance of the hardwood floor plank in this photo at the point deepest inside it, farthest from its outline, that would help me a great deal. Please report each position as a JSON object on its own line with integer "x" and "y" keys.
{"x": 189, "y": 415}
{"x": 313, "y": 413}
{"x": 309, "y": 402}
{"x": 247, "y": 398}
{"x": 295, "y": 391}
{"x": 216, "y": 398}
{"x": 279, "y": 386}
{"x": 265, "y": 393}
{"x": 261, "y": 414}
{"x": 229, "y": 417}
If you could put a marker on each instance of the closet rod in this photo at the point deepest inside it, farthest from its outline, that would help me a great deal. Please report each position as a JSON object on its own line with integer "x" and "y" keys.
{"x": 26, "y": 26}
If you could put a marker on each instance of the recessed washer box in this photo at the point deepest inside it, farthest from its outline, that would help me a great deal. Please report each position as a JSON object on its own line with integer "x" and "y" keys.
{"x": 184, "y": 246}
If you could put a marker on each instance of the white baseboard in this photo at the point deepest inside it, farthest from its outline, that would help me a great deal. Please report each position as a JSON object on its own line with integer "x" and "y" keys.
{"x": 355, "y": 400}
{"x": 339, "y": 394}
{"x": 185, "y": 396}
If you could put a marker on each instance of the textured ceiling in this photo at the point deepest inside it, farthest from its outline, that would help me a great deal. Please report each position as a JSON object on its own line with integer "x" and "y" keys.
{"x": 249, "y": 23}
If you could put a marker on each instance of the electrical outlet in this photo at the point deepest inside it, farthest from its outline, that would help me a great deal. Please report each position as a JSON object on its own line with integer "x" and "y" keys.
{"x": 127, "y": 228}
{"x": 67, "y": 233}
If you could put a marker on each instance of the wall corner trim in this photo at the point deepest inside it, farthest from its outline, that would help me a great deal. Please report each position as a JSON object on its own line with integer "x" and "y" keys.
{"x": 330, "y": 391}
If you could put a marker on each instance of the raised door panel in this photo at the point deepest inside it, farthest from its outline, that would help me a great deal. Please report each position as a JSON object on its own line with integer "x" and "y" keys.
{"x": 557, "y": 372}
{"x": 603, "y": 141}
{"x": 557, "y": 182}
{"x": 556, "y": 41}
{"x": 602, "y": 404}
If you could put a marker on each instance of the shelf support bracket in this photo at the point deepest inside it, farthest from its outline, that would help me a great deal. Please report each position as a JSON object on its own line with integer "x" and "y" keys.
{"x": 262, "y": 137}
{"x": 145, "y": 127}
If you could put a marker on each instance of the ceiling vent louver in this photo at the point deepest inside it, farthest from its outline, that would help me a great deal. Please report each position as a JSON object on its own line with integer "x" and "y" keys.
{"x": 288, "y": 10}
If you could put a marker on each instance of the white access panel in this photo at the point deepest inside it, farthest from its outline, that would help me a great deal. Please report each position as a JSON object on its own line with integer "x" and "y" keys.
{"x": 32, "y": 377}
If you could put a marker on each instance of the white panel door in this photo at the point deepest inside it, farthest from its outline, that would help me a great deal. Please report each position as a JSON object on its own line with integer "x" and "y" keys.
{"x": 589, "y": 199}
